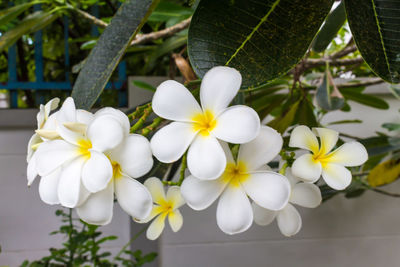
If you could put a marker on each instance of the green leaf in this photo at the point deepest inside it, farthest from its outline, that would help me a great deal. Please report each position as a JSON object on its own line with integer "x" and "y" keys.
{"x": 166, "y": 11}
{"x": 391, "y": 126}
{"x": 331, "y": 27}
{"x": 375, "y": 28}
{"x": 345, "y": 122}
{"x": 364, "y": 99}
{"x": 34, "y": 22}
{"x": 305, "y": 114}
{"x": 384, "y": 173}
{"x": 7, "y": 15}
{"x": 324, "y": 98}
{"x": 282, "y": 122}
{"x": 109, "y": 50}
{"x": 378, "y": 145}
{"x": 261, "y": 39}
{"x": 144, "y": 85}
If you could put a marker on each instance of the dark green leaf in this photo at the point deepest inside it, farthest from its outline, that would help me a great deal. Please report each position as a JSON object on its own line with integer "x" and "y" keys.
{"x": 32, "y": 23}
{"x": 109, "y": 50}
{"x": 378, "y": 145}
{"x": 331, "y": 27}
{"x": 261, "y": 39}
{"x": 305, "y": 114}
{"x": 364, "y": 99}
{"x": 144, "y": 85}
{"x": 6, "y": 15}
{"x": 345, "y": 122}
{"x": 375, "y": 28}
{"x": 286, "y": 119}
{"x": 166, "y": 11}
{"x": 354, "y": 193}
{"x": 391, "y": 126}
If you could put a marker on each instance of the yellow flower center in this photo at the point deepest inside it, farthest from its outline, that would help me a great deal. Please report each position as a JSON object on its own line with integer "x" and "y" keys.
{"x": 116, "y": 169}
{"x": 235, "y": 173}
{"x": 204, "y": 122}
{"x": 322, "y": 158}
{"x": 83, "y": 147}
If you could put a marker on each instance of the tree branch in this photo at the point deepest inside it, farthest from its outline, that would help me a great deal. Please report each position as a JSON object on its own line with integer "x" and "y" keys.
{"x": 93, "y": 19}
{"x": 362, "y": 83}
{"x": 312, "y": 63}
{"x": 344, "y": 52}
{"x": 145, "y": 38}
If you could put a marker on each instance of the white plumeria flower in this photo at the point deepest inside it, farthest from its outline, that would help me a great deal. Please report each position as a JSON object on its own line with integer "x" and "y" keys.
{"x": 201, "y": 127}
{"x": 246, "y": 177}
{"x": 306, "y": 195}
{"x": 42, "y": 117}
{"x": 164, "y": 206}
{"x": 131, "y": 159}
{"x": 69, "y": 117}
{"x": 77, "y": 163}
{"x": 321, "y": 160}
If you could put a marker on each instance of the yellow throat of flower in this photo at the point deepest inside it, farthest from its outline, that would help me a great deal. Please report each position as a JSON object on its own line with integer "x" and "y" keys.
{"x": 235, "y": 173}
{"x": 204, "y": 122}
{"x": 84, "y": 146}
{"x": 116, "y": 169}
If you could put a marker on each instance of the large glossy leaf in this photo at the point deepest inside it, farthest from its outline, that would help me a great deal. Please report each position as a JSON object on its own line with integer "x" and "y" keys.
{"x": 263, "y": 39}
{"x": 365, "y": 99}
{"x": 375, "y": 28}
{"x": 329, "y": 30}
{"x": 32, "y": 23}
{"x": 109, "y": 50}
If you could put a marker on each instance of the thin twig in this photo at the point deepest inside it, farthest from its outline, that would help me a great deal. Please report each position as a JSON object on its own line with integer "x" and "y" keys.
{"x": 362, "y": 83}
{"x": 145, "y": 38}
{"x": 344, "y": 52}
{"x": 312, "y": 63}
{"x": 93, "y": 19}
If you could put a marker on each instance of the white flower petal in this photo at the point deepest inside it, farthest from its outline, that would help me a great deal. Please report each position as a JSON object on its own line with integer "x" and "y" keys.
{"x": 50, "y": 106}
{"x": 67, "y": 112}
{"x": 206, "y": 159}
{"x": 289, "y": 221}
{"x": 133, "y": 155}
{"x": 261, "y": 150}
{"x": 234, "y": 212}
{"x": 48, "y": 187}
{"x": 105, "y": 132}
{"x": 83, "y": 116}
{"x": 154, "y": 212}
{"x": 228, "y": 152}
{"x": 200, "y": 194}
{"x": 218, "y": 88}
{"x": 293, "y": 180}
{"x": 173, "y": 101}
{"x": 303, "y": 137}
{"x": 98, "y": 208}
{"x": 156, "y": 189}
{"x": 174, "y": 196}
{"x": 156, "y": 227}
{"x": 133, "y": 197}
{"x": 270, "y": 190}
{"x": 31, "y": 170}
{"x": 175, "y": 220}
{"x": 34, "y": 140}
{"x": 171, "y": 141}
{"x": 51, "y": 122}
{"x": 97, "y": 172}
{"x": 349, "y": 154}
{"x": 52, "y": 154}
{"x": 69, "y": 186}
{"x": 306, "y": 195}
{"x": 328, "y": 139}
{"x": 263, "y": 216}
{"x": 237, "y": 124}
{"x": 306, "y": 168}
{"x": 41, "y": 116}
{"x": 336, "y": 176}
{"x": 116, "y": 114}
{"x": 71, "y": 137}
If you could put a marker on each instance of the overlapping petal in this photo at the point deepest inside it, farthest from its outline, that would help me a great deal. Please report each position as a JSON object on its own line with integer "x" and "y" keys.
{"x": 303, "y": 137}
{"x": 328, "y": 139}
{"x": 206, "y": 158}
{"x": 156, "y": 189}
{"x": 174, "y": 197}
{"x": 306, "y": 168}
{"x": 96, "y": 172}
{"x": 200, "y": 194}
{"x": 349, "y": 154}
{"x": 105, "y": 132}
{"x": 237, "y": 124}
{"x": 174, "y": 102}
{"x": 306, "y": 195}
{"x": 171, "y": 142}
{"x": 261, "y": 150}
{"x": 175, "y": 220}
{"x": 98, "y": 208}
{"x": 289, "y": 221}
{"x": 48, "y": 187}
{"x": 218, "y": 88}
{"x": 133, "y": 197}
{"x": 263, "y": 216}
{"x": 117, "y": 115}
{"x": 133, "y": 155}
{"x": 31, "y": 170}
{"x": 336, "y": 176}
{"x": 234, "y": 212}
{"x": 156, "y": 227}
{"x": 67, "y": 112}
{"x": 270, "y": 190}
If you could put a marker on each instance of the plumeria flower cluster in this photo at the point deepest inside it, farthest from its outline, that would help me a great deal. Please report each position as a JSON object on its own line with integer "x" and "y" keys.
{"x": 89, "y": 159}
{"x": 86, "y": 160}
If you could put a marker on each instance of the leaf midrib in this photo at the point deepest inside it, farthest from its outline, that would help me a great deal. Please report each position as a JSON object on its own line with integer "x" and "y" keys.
{"x": 253, "y": 31}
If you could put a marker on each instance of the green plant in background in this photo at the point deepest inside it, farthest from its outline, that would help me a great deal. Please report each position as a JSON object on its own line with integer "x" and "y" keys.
{"x": 84, "y": 246}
